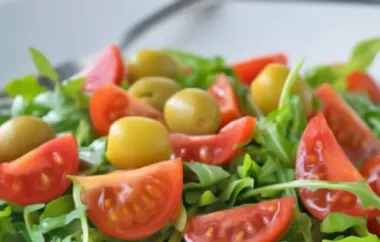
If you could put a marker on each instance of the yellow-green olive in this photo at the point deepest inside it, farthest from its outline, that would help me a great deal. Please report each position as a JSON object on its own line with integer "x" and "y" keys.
{"x": 192, "y": 111}
{"x": 154, "y": 91}
{"x": 266, "y": 88}
{"x": 136, "y": 141}
{"x": 21, "y": 135}
{"x": 151, "y": 63}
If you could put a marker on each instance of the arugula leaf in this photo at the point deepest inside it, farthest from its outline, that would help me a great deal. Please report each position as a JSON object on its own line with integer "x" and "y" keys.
{"x": 363, "y": 55}
{"x": 57, "y": 207}
{"x": 368, "y": 238}
{"x": 27, "y": 87}
{"x": 93, "y": 157}
{"x": 206, "y": 175}
{"x": 338, "y": 222}
{"x": 181, "y": 219}
{"x": 316, "y": 76}
{"x": 289, "y": 83}
{"x": 43, "y": 65}
{"x": 34, "y": 233}
{"x": 78, "y": 204}
{"x": 207, "y": 198}
{"x": 301, "y": 228}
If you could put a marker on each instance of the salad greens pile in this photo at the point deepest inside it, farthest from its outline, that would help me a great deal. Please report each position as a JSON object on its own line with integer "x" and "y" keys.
{"x": 264, "y": 171}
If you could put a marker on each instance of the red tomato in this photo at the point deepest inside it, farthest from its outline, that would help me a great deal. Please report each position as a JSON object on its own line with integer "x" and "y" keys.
{"x": 371, "y": 171}
{"x": 265, "y": 221}
{"x": 108, "y": 67}
{"x": 229, "y": 104}
{"x": 109, "y": 103}
{"x": 214, "y": 149}
{"x": 134, "y": 204}
{"x": 248, "y": 70}
{"x": 40, "y": 175}
{"x": 352, "y": 133}
{"x": 362, "y": 82}
{"x": 320, "y": 157}
{"x": 373, "y": 226}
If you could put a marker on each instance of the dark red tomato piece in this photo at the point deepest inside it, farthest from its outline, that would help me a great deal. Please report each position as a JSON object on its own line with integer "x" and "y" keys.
{"x": 134, "y": 204}
{"x": 108, "y": 67}
{"x": 109, "y": 103}
{"x": 229, "y": 103}
{"x": 249, "y": 69}
{"x": 214, "y": 149}
{"x": 352, "y": 133}
{"x": 320, "y": 157}
{"x": 40, "y": 175}
{"x": 373, "y": 226}
{"x": 362, "y": 82}
{"x": 371, "y": 171}
{"x": 265, "y": 221}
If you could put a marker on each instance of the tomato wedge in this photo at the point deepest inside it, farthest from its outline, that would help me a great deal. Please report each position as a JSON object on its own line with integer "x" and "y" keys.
{"x": 362, "y": 82}
{"x": 109, "y": 103}
{"x": 108, "y": 67}
{"x": 214, "y": 149}
{"x": 352, "y": 133}
{"x": 248, "y": 70}
{"x": 320, "y": 157}
{"x": 265, "y": 221}
{"x": 134, "y": 204}
{"x": 40, "y": 175}
{"x": 229, "y": 104}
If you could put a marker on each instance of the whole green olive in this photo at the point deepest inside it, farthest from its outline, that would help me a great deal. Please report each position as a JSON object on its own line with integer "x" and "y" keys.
{"x": 154, "y": 91}
{"x": 151, "y": 63}
{"x": 192, "y": 111}
{"x": 134, "y": 142}
{"x": 21, "y": 135}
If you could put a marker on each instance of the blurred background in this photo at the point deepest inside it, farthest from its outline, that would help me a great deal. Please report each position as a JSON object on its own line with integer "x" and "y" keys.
{"x": 323, "y": 31}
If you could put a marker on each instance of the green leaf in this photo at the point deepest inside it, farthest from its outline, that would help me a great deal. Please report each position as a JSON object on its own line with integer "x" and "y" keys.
{"x": 85, "y": 133}
{"x": 57, "y": 207}
{"x": 368, "y": 238}
{"x": 206, "y": 175}
{"x": 27, "y": 87}
{"x": 93, "y": 156}
{"x": 181, "y": 219}
{"x": 34, "y": 233}
{"x": 363, "y": 55}
{"x": 207, "y": 198}
{"x": 316, "y": 76}
{"x": 289, "y": 83}
{"x": 42, "y": 64}
{"x": 337, "y": 222}
{"x": 234, "y": 188}
{"x": 78, "y": 204}
{"x": 301, "y": 228}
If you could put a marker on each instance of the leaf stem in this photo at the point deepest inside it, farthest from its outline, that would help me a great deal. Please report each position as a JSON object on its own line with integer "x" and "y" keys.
{"x": 289, "y": 83}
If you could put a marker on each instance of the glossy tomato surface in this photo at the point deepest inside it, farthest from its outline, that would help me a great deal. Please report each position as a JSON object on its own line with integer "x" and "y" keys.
{"x": 134, "y": 204}
{"x": 109, "y": 103}
{"x": 320, "y": 157}
{"x": 229, "y": 104}
{"x": 40, "y": 175}
{"x": 352, "y": 133}
{"x": 214, "y": 149}
{"x": 371, "y": 171}
{"x": 363, "y": 82}
{"x": 265, "y": 221}
{"x": 108, "y": 67}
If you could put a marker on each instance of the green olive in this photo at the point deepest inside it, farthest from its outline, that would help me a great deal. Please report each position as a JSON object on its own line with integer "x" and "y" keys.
{"x": 21, "y": 135}
{"x": 267, "y": 87}
{"x": 154, "y": 91}
{"x": 136, "y": 141}
{"x": 192, "y": 111}
{"x": 151, "y": 63}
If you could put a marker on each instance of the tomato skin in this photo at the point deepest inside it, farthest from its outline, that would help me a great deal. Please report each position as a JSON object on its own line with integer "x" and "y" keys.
{"x": 320, "y": 157}
{"x": 134, "y": 204}
{"x": 109, "y": 103}
{"x": 244, "y": 223}
{"x": 214, "y": 149}
{"x": 108, "y": 67}
{"x": 371, "y": 171}
{"x": 40, "y": 175}
{"x": 362, "y": 82}
{"x": 352, "y": 133}
{"x": 373, "y": 226}
{"x": 228, "y": 102}
{"x": 249, "y": 69}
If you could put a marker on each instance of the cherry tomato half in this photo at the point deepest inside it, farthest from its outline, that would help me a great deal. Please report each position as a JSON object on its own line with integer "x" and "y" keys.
{"x": 320, "y": 157}
{"x": 265, "y": 221}
{"x": 352, "y": 133}
{"x": 39, "y": 176}
{"x": 362, "y": 82}
{"x": 214, "y": 149}
{"x": 134, "y": 204}
{"x": 109, "y": 103}
{"x": 249, "y": 69}
{"x": 108, "y": 67}
{"x": 229, "y": 104}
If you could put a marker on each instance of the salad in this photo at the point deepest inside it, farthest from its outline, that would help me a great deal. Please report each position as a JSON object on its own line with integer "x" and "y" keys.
{"x": 171, "y": 146}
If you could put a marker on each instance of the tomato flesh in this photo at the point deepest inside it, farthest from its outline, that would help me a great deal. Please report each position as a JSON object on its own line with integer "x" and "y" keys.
{"x": 108, "y": 67}
{"x": 214, "y": 149}
{"x": 320, "y": 157}
{"x": 265, "y": 221}
{"x": 371, "y": 171}
{"x": 249, "y": 69}
{"x": 228, "y": 102}
{"x": 40, "y": 175}
{"x": 362, "y": 82}
{"x": 134, "y": 204}
{"x": 109, "y": 103}
{"x": 352, "y": 133}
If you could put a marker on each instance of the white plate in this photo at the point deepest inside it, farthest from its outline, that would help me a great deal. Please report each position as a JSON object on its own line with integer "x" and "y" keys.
{"x": 63, "y": 29}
